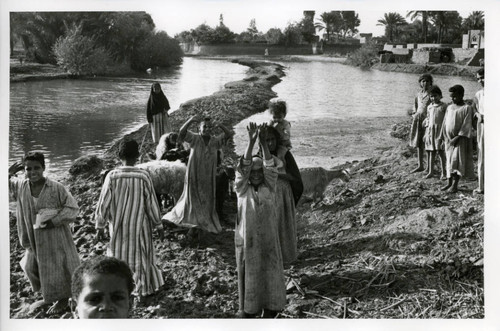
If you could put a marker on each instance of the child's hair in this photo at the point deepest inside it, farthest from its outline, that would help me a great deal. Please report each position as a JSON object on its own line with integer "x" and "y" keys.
{"x": 35, "y": 156}
{"x": 457, "y": 89}
{"x": 435, "y": 90}
{"x": 277, "y": 107}
{"x": 101, "y": 265}
{"x": 426, "y": 77}
{"x": 128, "y": 149}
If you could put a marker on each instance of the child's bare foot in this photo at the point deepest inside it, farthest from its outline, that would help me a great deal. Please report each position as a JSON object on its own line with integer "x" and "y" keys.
{"x": 453, "y": 189}
{"x": 444, "y": 188}
{"x": 443, "y": 177}
{"x": 58, "y": 307}
{"x": 429, "y": 175}
{"x": 478, "y": 191}
{"x": 418, "y": 169}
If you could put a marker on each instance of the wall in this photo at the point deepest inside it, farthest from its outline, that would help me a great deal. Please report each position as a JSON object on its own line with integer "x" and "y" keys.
{"x": 250, "y": 49}
{"x": 464, "y": 55}
{"x": 340, "y": 48}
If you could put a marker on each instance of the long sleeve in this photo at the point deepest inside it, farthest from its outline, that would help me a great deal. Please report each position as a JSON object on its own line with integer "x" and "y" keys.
{"x": 242, "y": 175}
{"x": 70, "y": 207}
{"x": 151, "y": 203}
{"x": 270, "y": 174}
{"x": 102, "y": 209}
{"x": 466, "y": 128}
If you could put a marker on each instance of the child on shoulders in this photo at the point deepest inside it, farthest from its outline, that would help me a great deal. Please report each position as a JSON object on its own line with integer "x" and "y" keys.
{"x": 278, "y": 111}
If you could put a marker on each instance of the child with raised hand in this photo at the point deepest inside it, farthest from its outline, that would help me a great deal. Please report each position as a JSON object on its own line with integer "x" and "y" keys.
{"x": 196, "y": 206}
{"x": 102, "y": 288}
{"x": 278, "y": 110}
{"x": 432, "y": 138}
{"x": 261, "y": 284}
{"x": 456, "y": 131}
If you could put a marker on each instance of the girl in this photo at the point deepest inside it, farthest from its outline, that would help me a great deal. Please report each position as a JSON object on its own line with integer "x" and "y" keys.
{"x": 51, "y": 255}
{"x": 157, "y": 112}
{"x": 128, "y": 203}
{"x": 289, "y": 189}
{"x": 457, "y": 129}
{"x": 432, "y": 138}
{"x": 196, "y": 206}
{"x": 261, "y": 285}
{"x": 278, "y": 111}
{"x": 422, "y": 100}
{"x": 101, "y": 288}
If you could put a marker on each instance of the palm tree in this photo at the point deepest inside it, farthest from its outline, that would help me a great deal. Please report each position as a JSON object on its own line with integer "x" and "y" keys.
{"x": 445, "y": 21}
{"x": 475, "y": 21}
{"x": 330, "y": 22}
{"x": 425, "y": 16}
{"x": 392, "y": 21}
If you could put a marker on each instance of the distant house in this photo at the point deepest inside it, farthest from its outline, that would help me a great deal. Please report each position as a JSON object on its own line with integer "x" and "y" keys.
{"x": 473, "y": 39}
{"x": 365, "y": 37}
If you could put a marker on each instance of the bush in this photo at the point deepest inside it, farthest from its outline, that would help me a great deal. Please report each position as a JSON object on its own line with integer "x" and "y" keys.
{"x": 158, "y": 50}
{"x": 365, "y": 56}
{"x": 79, "y": 55}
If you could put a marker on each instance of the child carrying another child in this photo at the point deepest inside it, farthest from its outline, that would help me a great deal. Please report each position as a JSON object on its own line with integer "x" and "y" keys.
{"x": 432, "y": 139}
{"x": 457, "y": 130}
{"x": 102, "y": 287}
{"x": 277, "y": 109}
{"x": 261, "y": 283}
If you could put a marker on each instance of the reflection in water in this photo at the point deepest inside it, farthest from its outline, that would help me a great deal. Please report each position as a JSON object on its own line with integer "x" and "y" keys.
{"x": 68, "y": 118}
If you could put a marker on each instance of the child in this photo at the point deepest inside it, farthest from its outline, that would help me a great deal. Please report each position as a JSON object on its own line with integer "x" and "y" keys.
{"x": 128, "y": 203}
{"x": 157, "y": 112}
{"x": 422, "y": 100}
{"x": 432, "y": 138}
{"x": 278, "y": 111}
{"x": 101, "y": 288}
{"x": 457, "y": 129}
{"x": 261, "y": 285}
{"x": 45, "y": 209}
{"x": 196, "y": 206}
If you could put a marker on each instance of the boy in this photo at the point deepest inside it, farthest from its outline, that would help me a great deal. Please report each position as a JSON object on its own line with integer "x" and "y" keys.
{"x": 457, "y": 129}
{"x": 478, "y": 102}
{"x": 102, "y": 288}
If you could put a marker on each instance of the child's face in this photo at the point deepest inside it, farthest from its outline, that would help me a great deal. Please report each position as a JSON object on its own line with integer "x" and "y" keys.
{"x": 205, "y": 128}
{"x": 34, "y": 171}
{"x": 278, "y": 117}
{"x": 480, "y": 79}
{"x": 425, "y": 84}
{"x": 156, "y": 88}
{"x": 435, "y": 98}
{"x": 456, "y": 97}
{"x": 256, "y": 177}
{"x": 103, "y": 296}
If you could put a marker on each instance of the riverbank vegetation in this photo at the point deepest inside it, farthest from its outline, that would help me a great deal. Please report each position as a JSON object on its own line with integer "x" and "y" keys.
{"x": 92, "y": 43}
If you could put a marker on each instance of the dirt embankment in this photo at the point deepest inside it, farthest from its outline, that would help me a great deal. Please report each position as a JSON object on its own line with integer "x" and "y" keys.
{"x": 434, "y": 69}
{"x": 387, "y": 244}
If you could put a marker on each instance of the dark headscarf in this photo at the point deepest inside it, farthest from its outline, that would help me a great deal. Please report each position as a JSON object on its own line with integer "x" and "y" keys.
{"x": 291, "y": 167}
{"x": 157, "y": 103}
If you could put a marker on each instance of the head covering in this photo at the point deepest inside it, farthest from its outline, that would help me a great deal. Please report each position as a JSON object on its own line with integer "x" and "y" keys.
{"x": 257, "y": 163}
{"x": 157, "y": 103}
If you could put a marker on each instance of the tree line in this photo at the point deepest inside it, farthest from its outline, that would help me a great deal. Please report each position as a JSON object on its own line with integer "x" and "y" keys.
{"x": 442, "y": 27}
{"x": 92, "y": 42}
{"x": 295, "y": 33}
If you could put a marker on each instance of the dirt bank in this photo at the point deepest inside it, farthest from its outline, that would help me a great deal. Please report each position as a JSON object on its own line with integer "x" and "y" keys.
{"x": 434, "y": 69}
{"x": 387, "y": 244}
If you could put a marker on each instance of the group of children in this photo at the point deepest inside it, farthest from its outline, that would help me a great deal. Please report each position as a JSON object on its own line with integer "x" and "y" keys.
{"x": 446, "y": 130}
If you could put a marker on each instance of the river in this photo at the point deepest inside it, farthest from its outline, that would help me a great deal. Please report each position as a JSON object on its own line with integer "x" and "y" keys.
{"x": 69, "y": 118}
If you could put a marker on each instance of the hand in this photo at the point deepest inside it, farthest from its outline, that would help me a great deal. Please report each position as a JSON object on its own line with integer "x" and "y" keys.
{"x": 454, "y": 141}
{"x": 99, "y": 236}
{"x": 253, "y": 132}
{"x": 263, "y": 133}
{"x": 15, "y": 168}
{"x": 48, "y": 224}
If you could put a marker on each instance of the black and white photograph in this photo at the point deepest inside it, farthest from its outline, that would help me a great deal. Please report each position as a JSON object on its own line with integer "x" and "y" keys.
{"x": 222, "y": 164}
